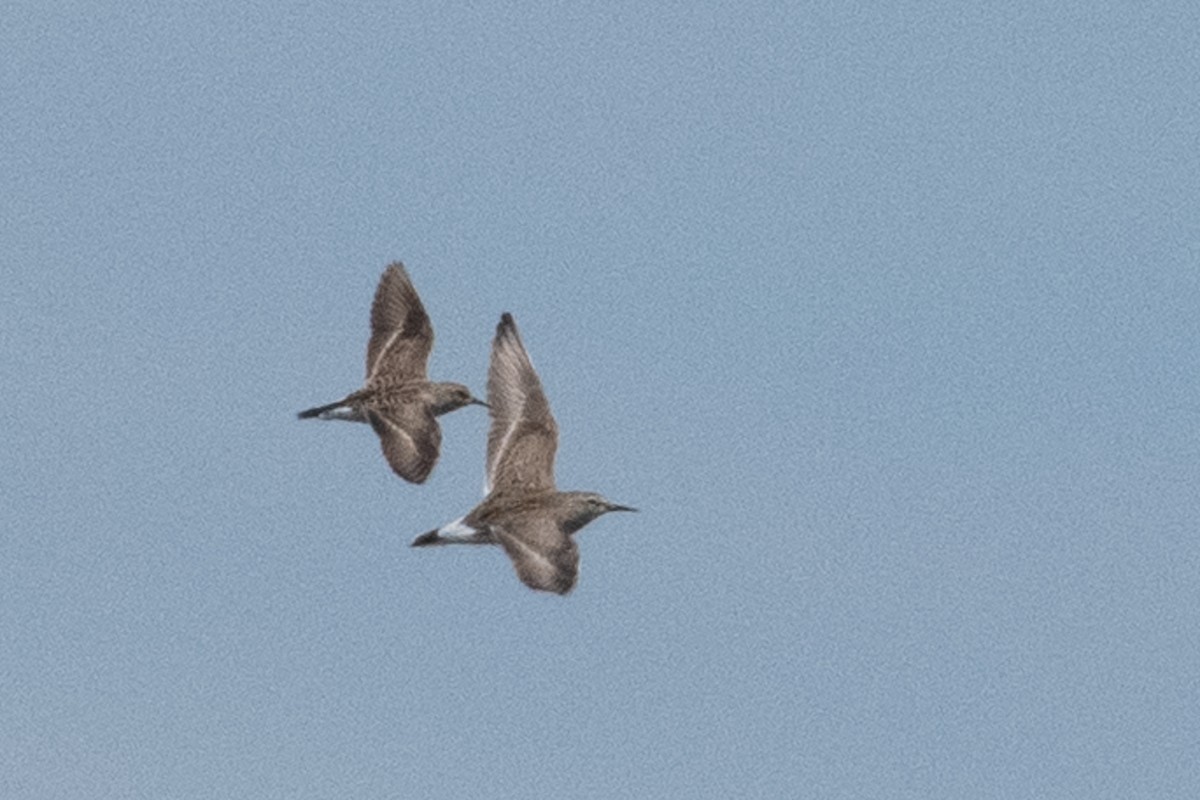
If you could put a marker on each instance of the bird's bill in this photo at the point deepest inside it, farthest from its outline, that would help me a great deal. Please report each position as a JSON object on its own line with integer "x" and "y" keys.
{"x": 615, "y": 507}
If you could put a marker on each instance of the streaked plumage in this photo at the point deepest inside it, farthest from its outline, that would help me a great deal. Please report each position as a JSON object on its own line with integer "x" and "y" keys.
{"x": 523, "y": 512}
{"x": 397, "y": 399}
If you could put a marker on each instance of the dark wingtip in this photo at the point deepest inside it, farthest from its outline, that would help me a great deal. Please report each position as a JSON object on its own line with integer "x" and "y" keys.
{"x": 416, "y": 475}
{"x": 507, "y": 329}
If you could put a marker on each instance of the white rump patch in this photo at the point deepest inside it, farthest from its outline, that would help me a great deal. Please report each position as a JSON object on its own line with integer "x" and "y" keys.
{"x": 456, "y": 531}
{"x": 343, "y": 413}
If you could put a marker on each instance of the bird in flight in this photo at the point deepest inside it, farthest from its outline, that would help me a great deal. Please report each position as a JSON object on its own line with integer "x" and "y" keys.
{"x": 397, "y": 399}
{"x": 522, "y": 511}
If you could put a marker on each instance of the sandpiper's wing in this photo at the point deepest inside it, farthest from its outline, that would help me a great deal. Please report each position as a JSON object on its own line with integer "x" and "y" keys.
{"x": 401, "y": 334}
{"x": 545, "y": 558}
{"x": 523, "y": 436}
{"x": 410, "y": 437}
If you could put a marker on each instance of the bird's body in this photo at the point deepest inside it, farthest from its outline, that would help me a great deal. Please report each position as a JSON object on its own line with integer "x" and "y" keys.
{"x": 398, "y": 400}
{"x": 523, "y": 512}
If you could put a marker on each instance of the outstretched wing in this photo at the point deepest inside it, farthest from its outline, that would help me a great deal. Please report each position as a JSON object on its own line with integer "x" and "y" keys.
{"x": 544, "y": 557}
{"x": 401, "y": 334}
{"x": 410, "y": 439}
{"x": 523, "y": 436}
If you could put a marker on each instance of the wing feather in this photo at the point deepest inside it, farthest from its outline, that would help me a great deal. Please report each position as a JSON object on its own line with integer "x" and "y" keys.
{"x": 544, "y": 557}
{"x": 401, "y": 333}
{"x": 410, "y": 441}
{"x": 523, "y": 437}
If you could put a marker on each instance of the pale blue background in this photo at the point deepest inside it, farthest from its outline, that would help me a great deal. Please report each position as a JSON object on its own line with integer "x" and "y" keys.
{"x": 885, "y": 316}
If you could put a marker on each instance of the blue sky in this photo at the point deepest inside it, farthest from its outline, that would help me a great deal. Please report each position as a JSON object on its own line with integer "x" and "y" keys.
{"x": 885, "y": 317}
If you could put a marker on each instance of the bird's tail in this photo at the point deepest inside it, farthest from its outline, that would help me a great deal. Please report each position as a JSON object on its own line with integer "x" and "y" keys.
{"x": 427, "y": 539}
{"x": 320, "y": 411}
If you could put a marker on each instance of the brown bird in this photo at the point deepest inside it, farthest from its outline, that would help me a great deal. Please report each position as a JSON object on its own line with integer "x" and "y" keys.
{"x": 523, "y": 512}
{"x": 398, "y": 400}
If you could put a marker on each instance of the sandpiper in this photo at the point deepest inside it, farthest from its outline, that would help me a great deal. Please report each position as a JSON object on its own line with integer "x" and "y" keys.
{"x": 522, "y": 511}
{"x": 398, "y": 400}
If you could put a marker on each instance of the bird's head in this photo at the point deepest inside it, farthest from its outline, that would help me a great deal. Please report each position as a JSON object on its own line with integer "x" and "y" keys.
{"x": 587, "y": 506}
{"x": 450, "y": 396}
